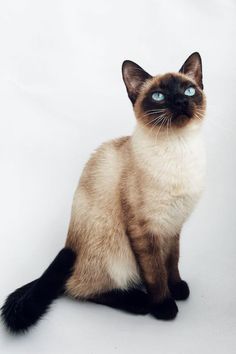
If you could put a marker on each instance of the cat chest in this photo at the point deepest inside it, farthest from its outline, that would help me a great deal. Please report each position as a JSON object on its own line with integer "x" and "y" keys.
{"x": 173, "y": 186}
{"x": 179, "y": 178}
{"x": 177, "y": 171}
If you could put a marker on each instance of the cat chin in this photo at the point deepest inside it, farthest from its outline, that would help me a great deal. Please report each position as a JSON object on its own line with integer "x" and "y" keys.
{"x": 183, "y": 120}
{"x": 177, "y": 125}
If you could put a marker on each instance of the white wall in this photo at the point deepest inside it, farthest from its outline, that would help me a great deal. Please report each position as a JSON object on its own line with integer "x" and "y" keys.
{"x": 61, "y": 95}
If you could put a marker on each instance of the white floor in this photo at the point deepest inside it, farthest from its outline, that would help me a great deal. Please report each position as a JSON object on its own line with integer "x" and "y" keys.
{"x": 61, "y": 95}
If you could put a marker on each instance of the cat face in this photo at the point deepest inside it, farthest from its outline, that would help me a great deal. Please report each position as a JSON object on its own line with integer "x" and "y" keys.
{"x": 170, "y": 100}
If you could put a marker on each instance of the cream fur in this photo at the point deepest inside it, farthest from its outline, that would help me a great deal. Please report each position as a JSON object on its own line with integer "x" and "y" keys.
{"x": 174, "y": 164}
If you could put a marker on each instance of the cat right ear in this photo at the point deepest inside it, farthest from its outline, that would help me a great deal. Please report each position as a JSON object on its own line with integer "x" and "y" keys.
{"x": 134, "y": 77}
{"x": 192, "y": 67}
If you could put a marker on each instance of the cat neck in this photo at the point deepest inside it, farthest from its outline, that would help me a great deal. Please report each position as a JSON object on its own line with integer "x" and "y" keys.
{"x": 148, "y": 147}
{"x": 145, "y": 137}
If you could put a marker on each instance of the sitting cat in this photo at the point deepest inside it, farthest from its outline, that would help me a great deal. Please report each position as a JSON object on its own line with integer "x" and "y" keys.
{"x": 134, "y": 195}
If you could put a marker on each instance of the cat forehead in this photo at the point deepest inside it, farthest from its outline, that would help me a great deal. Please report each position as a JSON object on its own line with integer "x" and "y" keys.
{"x": 169, "y": 81}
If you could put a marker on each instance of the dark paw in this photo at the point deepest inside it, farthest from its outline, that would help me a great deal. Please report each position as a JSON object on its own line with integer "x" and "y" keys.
{"x": 165, "y": 310}
{"x": 180, "y": 290}
{"x": 137, "y": 302}
{"x": 133, "y": 301}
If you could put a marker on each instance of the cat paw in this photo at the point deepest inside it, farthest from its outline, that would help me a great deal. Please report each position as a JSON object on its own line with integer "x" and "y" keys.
{"x": 165, "y": 310}
{"x": 179, "y": 290}
{"x": 138, "y": 302}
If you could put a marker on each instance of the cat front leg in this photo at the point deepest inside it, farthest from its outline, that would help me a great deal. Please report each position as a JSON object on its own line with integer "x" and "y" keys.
{"x": 179, "y": 288}
{"x": 153, "y": 271}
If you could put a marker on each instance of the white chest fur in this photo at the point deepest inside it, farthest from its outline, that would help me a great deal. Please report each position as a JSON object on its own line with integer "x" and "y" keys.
{"x": 174, "y": 169}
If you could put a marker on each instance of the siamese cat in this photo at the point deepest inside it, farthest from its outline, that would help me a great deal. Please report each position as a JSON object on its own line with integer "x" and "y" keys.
{"x": 134, "y": 195}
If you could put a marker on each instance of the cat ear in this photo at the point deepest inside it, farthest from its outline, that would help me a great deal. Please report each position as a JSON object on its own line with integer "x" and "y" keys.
{"x": 134, "y": 76}
{"x": 193, "y": 68}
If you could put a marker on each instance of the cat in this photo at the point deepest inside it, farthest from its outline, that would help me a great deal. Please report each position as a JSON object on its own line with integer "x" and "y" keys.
{"x": 133, "y": 197}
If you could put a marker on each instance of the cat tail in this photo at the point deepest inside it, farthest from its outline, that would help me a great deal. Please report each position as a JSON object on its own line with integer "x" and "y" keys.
{"x": 26, "y": 305}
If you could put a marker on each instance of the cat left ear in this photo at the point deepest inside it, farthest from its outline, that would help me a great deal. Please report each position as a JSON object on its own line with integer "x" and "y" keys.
{"x": 134, "y": 77}
{"x": 193, "y": 68}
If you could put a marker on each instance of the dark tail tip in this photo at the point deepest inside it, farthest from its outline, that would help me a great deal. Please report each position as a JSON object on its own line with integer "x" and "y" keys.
{"x": 26, "y": 305}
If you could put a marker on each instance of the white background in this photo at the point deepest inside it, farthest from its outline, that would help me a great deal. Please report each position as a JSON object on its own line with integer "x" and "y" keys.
{"x": 61, "y": 95}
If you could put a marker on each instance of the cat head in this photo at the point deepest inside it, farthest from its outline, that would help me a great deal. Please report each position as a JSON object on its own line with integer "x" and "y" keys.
{"x": 170, "y": 100}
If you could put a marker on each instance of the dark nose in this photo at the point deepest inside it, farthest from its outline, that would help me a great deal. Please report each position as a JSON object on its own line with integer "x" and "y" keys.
{"x": 180, "y": 103}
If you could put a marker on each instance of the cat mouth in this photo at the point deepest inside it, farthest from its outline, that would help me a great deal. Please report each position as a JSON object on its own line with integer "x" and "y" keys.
{"x": 181, "y": 119}
{"x": 181, "y": 116}
{"x": 174, "y": 120}
{"x": 167, "y": 118}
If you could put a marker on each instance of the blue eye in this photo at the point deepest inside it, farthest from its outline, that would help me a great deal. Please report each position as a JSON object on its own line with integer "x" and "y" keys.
{"x": 190, "y": 91}
{"x": 158, "y": 96}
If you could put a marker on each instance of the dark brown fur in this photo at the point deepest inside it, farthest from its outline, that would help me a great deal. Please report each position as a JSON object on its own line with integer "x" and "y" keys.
{"x": 168, "y": 83}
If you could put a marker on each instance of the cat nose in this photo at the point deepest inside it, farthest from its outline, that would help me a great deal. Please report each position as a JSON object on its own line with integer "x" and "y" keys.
{"x": 180, "y": 104}
{"x": 180, "y": 101}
